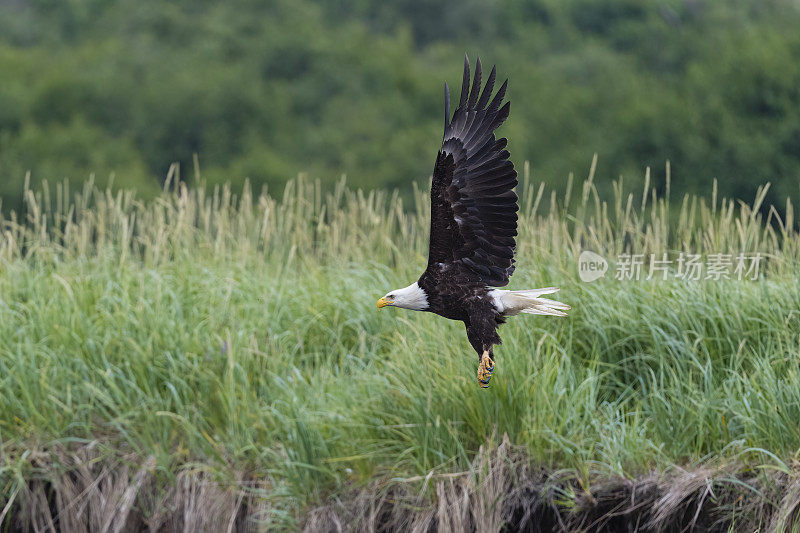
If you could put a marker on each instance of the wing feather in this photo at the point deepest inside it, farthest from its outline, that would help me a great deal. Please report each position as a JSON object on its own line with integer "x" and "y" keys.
{"x": 473, "y": 203}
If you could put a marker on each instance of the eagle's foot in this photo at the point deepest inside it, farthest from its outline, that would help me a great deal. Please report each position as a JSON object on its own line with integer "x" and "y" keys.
{"x": 485, "y": 369}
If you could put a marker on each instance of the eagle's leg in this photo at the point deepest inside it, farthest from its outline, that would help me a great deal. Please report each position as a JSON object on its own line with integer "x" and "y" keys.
{"x": 482, "y": 335}
{"x": 485, "y": 368}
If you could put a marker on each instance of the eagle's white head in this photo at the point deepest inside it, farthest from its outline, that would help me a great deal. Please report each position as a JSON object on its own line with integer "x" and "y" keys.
{"x": 411, "y": 297}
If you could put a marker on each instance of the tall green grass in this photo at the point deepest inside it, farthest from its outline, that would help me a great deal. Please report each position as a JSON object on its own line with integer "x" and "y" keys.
{"x": 237, "y": 334}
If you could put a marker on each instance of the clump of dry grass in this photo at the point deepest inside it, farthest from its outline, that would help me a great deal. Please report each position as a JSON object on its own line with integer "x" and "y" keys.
{"x": 503, "y": 492}
{"x": 91, "y": 488}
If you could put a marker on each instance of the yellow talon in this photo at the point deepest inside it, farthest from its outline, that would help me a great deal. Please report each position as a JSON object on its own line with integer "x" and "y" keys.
{"x": 485, "y": 369}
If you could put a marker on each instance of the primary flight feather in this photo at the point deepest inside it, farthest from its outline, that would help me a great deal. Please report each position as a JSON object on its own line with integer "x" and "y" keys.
{"x": 473, "y": 226}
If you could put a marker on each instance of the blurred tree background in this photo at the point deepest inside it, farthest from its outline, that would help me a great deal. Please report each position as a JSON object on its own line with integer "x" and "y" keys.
{"x": 264, "y": 90}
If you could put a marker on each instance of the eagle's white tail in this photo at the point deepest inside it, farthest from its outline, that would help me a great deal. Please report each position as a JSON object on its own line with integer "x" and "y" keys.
{"x": 528, "y": 301}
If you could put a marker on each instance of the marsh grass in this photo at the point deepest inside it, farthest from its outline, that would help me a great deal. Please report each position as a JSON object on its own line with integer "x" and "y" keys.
{"x": 232, "y": 339}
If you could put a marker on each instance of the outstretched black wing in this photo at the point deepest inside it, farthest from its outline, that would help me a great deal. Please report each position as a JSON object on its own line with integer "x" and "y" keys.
{"x": 473, "y": 204}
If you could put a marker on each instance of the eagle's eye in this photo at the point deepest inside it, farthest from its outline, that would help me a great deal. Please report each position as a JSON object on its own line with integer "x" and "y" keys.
{"x": 390, "y": 297}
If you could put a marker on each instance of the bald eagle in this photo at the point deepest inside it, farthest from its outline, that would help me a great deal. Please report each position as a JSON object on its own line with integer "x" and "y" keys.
{"x": 473, "y": 225}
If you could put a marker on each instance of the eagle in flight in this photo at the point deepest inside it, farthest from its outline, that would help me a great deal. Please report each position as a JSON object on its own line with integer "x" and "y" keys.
{"x": 473, "y": 225}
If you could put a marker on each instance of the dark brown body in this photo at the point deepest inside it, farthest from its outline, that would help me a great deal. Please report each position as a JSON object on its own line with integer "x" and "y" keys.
{"x": 454, "y": 292}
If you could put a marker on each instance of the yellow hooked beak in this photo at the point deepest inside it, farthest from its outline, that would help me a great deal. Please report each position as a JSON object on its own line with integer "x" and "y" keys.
{"x": 382, "y": 303}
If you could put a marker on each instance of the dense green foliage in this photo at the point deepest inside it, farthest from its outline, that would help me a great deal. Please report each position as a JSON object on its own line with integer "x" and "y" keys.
{"x": 268, "y": 89}
{"x": 242, "y": 336}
